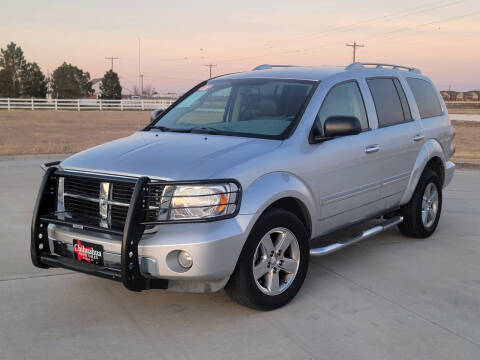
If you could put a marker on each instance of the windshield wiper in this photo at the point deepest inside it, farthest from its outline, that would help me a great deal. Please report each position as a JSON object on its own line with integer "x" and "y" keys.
{"x": 167, "y": 129}
{"x": 208, "y": 130}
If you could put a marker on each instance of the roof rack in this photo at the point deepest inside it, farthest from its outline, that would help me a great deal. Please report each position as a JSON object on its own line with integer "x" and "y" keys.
{"x": 268, "y": 66}
{"x": 365, "y": 65}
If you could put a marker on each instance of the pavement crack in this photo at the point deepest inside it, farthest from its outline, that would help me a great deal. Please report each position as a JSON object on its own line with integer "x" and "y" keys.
{"x": 393, "y": 302}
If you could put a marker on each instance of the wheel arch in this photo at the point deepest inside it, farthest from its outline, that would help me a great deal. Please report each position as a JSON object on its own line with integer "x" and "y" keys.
{"x": 436, "y": 165}
{"x": 296, "y": 207}
{"x": 430, "y": 156}
{"x": 280, "y": 190}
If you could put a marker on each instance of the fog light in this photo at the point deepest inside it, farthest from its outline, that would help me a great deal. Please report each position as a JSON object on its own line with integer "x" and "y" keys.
{"x": 185, "y": 259}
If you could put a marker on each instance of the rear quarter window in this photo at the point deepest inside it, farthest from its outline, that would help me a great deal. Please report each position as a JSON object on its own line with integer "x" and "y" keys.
{"x": 426, "y": 98}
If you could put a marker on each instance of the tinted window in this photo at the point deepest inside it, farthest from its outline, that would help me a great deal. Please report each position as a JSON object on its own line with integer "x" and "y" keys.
{"x": 426, "y": 98}
{"x": 387, "y": 101}
{"x": 403, "y": 99}
{"x": 344, "y": 99}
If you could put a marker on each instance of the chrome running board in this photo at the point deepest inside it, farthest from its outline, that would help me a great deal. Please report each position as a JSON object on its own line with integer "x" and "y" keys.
{"x": 328, "y": 249}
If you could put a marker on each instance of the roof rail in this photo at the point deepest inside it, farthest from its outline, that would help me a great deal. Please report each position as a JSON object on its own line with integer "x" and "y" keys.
{"x": 268, "y": 66}
{"x": 364, "y": 65}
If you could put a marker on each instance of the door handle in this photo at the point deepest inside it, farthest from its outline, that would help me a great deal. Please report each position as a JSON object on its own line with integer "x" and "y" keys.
{"x": 372, "y": 148}
{"x": 418, "y": 137}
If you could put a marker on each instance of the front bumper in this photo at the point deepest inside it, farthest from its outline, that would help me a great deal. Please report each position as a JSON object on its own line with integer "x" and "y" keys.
{"x": 214, "y": 247}
{"x": 139, "y": 259}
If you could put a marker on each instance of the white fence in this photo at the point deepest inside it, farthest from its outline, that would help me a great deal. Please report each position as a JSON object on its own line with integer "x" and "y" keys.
{"x": 84, "y": 104}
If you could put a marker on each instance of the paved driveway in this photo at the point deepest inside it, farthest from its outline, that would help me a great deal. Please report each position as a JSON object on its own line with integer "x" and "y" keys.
{"x": 389, "y": 297}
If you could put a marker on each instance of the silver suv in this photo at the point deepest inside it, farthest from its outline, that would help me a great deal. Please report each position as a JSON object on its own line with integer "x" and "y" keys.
{"x": 232, "y": 183}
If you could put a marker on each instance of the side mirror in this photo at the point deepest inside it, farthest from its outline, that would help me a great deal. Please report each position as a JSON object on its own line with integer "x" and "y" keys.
{"x": 335, "y": 126}
{"x": 155, "y": 114}
{"x": 342, "y": 126}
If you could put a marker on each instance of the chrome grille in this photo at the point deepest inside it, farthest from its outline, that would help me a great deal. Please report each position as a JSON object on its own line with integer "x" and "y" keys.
{"x": 118, "y": 215}
{"x": 97, "y": 202}
{"x": 153, "y": 197}
{"x": 82, "y": 187}
{"x": 82, "y": 209}
{"x": 122, "y": 192}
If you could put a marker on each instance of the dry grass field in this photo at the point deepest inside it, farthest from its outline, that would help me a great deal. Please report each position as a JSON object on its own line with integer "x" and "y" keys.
{"x": 467, "y": 139}
{"x": 473, "y": 108}
{"x": 48, "y": 132}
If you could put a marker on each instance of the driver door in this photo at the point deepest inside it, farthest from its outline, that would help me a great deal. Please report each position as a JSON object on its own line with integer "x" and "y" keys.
{"x": 347, "y": 171}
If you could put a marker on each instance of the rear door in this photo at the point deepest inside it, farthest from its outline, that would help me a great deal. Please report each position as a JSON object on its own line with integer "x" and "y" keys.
{"x": 398, "y": 136}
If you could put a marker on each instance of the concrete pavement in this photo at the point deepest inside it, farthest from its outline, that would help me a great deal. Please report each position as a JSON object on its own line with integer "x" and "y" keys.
{"x": 388, "y": 297}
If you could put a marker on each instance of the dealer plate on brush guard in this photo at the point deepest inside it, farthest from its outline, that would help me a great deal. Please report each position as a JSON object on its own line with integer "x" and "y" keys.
{"x": 87, "y": 252}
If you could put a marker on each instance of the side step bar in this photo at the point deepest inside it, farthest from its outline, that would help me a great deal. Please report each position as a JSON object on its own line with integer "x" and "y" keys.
{"x": 356, "y": 237}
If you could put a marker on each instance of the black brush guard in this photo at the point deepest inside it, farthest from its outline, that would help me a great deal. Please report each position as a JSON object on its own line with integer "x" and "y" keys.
{"x": 130, "y": 274}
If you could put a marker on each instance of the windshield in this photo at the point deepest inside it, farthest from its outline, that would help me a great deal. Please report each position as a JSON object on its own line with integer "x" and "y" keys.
{"x": 266, "y": 108}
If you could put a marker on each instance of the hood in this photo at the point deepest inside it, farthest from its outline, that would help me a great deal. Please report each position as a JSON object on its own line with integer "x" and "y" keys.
{"x": 170, "y": 156}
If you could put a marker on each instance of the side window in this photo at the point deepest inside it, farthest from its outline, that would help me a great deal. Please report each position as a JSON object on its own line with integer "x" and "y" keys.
{"x": 426, "y": 98}
{"x": 390, "y": 101}
{"x": 344, "y": 99}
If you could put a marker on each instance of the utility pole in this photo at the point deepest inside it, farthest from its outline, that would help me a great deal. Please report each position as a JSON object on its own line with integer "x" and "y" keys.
{"x": 355, "y": 46}
{"x": 210, "y": 66}
{"x": 112, "y": 58}
{"x": 140, "y": 75}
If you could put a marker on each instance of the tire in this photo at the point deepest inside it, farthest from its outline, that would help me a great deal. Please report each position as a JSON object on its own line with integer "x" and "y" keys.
{"x": 261, "y": 292}
{"x": 413, "y": 224}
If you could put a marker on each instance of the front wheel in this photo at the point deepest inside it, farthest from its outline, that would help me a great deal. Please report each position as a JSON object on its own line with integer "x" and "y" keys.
{"x": 422, "y": 213}
{"x": 273, "y": 263}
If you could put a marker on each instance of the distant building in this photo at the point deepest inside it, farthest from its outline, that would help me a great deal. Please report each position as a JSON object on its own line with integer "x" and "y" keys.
{"x": 472, "y": 96}
{"x": 168, "y": 95}
{"x": 449, "y": 95}
{"x": 96, "y": 88}
{"x": 127, "y": 93}
{"x": 461, "y": 96}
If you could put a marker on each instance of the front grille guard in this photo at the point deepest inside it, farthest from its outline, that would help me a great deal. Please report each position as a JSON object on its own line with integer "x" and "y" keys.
{"x": 130, "y": 275}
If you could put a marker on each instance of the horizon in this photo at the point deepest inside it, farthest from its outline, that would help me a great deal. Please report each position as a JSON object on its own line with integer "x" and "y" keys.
{"x": 177, "y": 41}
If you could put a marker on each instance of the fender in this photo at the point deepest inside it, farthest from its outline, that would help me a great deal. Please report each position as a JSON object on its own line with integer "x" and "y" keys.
{"x": 267, "y": 189}
{"x": 429, "y": 150}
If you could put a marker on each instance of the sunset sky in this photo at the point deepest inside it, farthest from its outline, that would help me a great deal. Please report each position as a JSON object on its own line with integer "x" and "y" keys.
{"x": 178, "y": 38}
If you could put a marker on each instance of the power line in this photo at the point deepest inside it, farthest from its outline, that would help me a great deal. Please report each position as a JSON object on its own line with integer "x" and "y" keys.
{"x": 378, "y": 19}
{"x": 304, "y": 50}
{"x": 442, "y": 21}
{"x": 210, "y": 66}
{"x": 353, "y": 27}
{"x": 355, "y": 46}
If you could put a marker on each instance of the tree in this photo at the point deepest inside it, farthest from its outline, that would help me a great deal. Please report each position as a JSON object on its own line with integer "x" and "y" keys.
{"x": 33, "y": 82}
{"x": 70, "y": 82}
{"x": 110, "y": 87}
{"x": 11, "y": 63}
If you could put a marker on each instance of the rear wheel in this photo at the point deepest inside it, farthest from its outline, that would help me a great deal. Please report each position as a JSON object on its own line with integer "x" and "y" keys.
{"x": 422, "y": 213}
{"x": 273, "y": 263}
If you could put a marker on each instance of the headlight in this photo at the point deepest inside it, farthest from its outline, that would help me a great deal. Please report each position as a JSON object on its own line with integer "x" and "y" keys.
{"x": 191, "y": 202}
